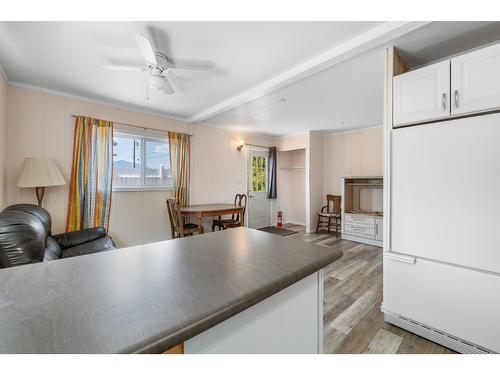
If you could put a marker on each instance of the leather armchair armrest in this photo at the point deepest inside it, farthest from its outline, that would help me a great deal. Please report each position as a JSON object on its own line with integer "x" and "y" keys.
{"x": 78, "y": 237}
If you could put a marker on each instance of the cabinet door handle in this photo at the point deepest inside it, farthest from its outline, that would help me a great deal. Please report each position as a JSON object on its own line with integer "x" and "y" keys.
{"x": 443, "y": 101}
{"x": 359, "y": 229}
{"x": 457, "y": 103}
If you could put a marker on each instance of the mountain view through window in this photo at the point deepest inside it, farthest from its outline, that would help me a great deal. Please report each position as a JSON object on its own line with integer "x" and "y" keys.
{"x": 140, "y": 161}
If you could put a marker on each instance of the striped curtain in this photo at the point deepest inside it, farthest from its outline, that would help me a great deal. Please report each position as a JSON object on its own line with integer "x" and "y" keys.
{"x": 179, "y": 145}
{"x": 91, "y": 174}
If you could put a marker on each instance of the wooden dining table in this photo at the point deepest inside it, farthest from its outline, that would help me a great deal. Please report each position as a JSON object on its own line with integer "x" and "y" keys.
{"x": 213, "y": 209}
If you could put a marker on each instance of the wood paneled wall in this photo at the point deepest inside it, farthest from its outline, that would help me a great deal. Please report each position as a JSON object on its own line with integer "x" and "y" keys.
{"x": 356, "y": 153}
{"x": 291, "y": 186}
{"x": 316, "y": 179}
{"x": 313, "y": 146}
{"x": 292, "y": 142}
{"x": 40, "y": 123}
{"x": 3, "y": 141}
{"x": 219, "y": 170}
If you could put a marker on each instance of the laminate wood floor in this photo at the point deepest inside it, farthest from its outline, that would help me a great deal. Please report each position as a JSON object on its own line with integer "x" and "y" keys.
{"x": 352, "y": 320}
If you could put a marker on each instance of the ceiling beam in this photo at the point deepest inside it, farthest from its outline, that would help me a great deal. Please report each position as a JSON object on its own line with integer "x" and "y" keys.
{"x": 375, "y": 37}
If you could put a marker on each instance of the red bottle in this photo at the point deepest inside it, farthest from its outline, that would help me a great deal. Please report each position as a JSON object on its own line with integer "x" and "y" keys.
{"x": 280, "y": 219}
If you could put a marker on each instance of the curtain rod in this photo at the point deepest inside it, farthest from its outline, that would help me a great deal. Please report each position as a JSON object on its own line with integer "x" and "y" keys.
{"x": 136, "y": 126}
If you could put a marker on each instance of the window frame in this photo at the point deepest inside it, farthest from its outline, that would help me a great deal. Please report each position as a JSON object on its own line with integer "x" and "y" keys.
{"x": 143, "y": 138}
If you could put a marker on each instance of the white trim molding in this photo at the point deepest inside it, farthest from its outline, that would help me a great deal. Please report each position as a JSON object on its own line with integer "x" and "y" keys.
{"x": 127, "y": 107}
{"x": 4, "y": 75}
{"x": 334, "y": 133}
{"x": 450, "y": 341}
{"x": 236, "y": 131}
{"x": 373, "y": 38}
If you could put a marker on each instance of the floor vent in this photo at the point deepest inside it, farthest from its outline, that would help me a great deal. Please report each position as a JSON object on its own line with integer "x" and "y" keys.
{"x": 440, "y": 337}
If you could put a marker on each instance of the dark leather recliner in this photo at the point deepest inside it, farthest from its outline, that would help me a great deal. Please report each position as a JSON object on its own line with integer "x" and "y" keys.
{"x": 25, "y": 237}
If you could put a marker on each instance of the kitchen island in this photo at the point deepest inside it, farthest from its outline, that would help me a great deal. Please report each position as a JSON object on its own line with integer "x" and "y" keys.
{"x": 234, "y": 291}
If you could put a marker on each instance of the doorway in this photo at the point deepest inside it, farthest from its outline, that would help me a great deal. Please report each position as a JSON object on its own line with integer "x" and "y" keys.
{"x": 292, "y": 200}
{"x": 258, "y": 203}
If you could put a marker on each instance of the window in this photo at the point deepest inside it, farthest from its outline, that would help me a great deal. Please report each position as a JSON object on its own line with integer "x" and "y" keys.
{"x": 259, "y": 174}
{"x": 140, "y": 162}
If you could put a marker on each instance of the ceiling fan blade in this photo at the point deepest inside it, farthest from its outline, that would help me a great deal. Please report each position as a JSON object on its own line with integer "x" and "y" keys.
{"x": 123, "y": 68}
{"x": 189, "y": 73}
{"x": 167, "y": 88}
{"x": 146, "y": 48}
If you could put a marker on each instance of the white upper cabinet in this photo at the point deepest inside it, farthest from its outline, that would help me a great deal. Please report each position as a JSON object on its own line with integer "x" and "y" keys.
{"x": 475, "y": 81}
{"x": 422, "y": 94}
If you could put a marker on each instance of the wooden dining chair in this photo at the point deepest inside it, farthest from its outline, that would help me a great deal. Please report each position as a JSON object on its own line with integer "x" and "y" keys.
{"x": 330, "y": 215}
{"x": 235, "y": 220}
{"x": 178, "y": 228}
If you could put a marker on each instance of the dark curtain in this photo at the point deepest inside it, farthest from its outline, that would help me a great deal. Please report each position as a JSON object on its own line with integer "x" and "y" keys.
{"x": 271, "y": 192}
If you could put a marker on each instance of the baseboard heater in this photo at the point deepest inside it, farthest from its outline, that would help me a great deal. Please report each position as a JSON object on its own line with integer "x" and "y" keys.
{"x": 455, "y": 343}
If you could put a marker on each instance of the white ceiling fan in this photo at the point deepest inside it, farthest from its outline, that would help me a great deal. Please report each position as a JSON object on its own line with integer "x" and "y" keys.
{"x": 160, "y": 67}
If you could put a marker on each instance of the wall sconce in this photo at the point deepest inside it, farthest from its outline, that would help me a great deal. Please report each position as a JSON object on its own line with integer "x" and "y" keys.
{"x": 240, "y": 145}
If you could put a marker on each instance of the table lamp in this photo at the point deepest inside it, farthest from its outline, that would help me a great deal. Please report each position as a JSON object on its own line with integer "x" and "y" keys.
{"x": 39, "y": 173}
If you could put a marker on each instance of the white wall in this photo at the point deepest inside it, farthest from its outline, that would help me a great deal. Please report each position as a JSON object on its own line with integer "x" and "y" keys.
{"x": 292, "y": 142}
{"x": 356, "y": 153}
{"x": 288, "y": 143}
{"x": 291, "y": 185}
{"x": 3, "y": 141}
{"x": 313, "y": 146}
{"x": 316, "y": 199}
{"x": 40, "y": 123}
{"x": 219, "y": 170}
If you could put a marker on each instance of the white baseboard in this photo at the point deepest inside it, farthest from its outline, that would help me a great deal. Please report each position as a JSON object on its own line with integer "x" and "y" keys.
{"x": 455, "y": 343}
{"x": 367, "y": 241}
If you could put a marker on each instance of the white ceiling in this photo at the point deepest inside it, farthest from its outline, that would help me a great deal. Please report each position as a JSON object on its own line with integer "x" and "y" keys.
{"x": 346, "y": 96}
{"x": 330, "y": 73}
{"x": 66, "y": 57}
{"x": 349, "y": 95}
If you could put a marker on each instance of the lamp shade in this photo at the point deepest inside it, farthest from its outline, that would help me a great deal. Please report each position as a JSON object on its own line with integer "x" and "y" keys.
{"x": 39, "y": 172}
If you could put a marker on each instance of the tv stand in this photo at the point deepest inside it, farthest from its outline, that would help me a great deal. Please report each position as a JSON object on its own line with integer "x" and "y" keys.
{"x": 362, "y": 209}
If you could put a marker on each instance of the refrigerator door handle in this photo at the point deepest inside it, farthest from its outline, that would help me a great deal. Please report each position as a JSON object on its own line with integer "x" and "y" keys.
{"x": 400, "y": 257}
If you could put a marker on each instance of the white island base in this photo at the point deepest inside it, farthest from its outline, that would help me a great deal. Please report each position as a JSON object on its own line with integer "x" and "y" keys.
{"x": 288, "y": 322}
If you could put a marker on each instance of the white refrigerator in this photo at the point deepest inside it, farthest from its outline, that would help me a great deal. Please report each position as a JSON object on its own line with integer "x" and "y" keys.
{"x": 442, "y": 260}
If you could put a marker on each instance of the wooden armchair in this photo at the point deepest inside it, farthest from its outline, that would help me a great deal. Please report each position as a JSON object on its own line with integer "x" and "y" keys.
{"x": 330, "y": 215}
{"x": 234, "y": 221}
{"x": 178, "y": 228}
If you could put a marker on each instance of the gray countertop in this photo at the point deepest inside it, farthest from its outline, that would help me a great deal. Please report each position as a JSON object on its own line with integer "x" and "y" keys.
{"x": 147, "y": 298}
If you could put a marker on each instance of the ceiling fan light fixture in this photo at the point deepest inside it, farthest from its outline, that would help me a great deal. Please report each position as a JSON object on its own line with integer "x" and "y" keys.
{"x": 156, "y": 81}
{"x": 160, "y": 68}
